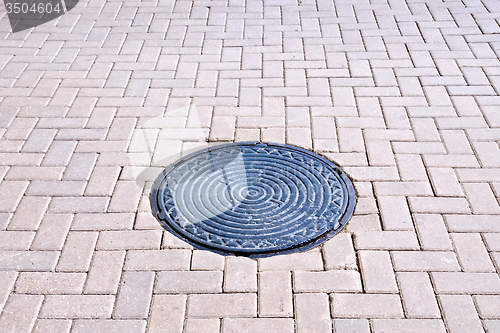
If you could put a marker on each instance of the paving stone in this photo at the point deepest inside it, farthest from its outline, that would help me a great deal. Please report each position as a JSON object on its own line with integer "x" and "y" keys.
{"x": 158, "y": 260}
{"x": 167, "y": 314}
{"x": 244, "y": 325}
{"x": 417, "y": 295}
{"x": 80, "y": 166}
{"x": 492, "y": 326}
{"x": 56, "y": 188}
{"x": 52, "y": 232}
{"x": 275, "y": 294}
{"x": 125, "y": 197}
{"x": 395, "y": 213}
{"x": 135, "y": 240}
{"x": 52, "y": 325}
{"x": 445, "y": 182}
{"x": 338, "y": 252}
{"x": 193, "y": 325}
{"x": 20, "y": 312}
{"x": 107, "y": 221}
{"x": 11, "y": 193}
{"x": 472, "y": 253}
{"x": 481, "y": 198}
{"x": 7, "y": 280}
{"x": 222, "y": 305}
{"x": 351, "y": 326}
{"x": 16, "y": 240}
{"x": 78, "y": 205}
{"x": 296, "y": 261}
{"x": 408, "y": 325}
{"x": 377, "y": 272}
{"x": 59, "y": 153}
{"x": 134, "y": 296}
{"x": 50, "y": 283}
{"x": 460, "y": 314}
{"x": 312, "y": 313}
{"x": 492, "y": 241}
{"x": 102, "y": 181}
{"x": 104, "y": 272}
{"x": 465, "y": 283}
{"x": 207, "y": 261}
{"x": 28, "y": 261}
{"x": 240, "y": 275}
{"x": 366, "y": 306}
{"x": 411, "y": 261}
{"x": 439, "y": 205}
{"x": 77, "y": 306}
{"x": 189, "y": 282}
{"x": 77, "y": 251}
{"x": 329, "y": 281}
{"x": 386, "y": 240}
{"x": 39, "y": 140}
{"x": 106, "y": 325}
{"x": 472, "y": 223}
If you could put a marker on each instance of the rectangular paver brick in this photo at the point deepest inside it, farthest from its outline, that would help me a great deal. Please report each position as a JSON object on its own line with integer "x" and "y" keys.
{"x": 329, "y": 281}
{"x": 240, "y": 275}
{"x": 134, "y": 295}
{"x": 312, "y": 313}
{"x": 77, "y": 306}
{"x": 297, "y": 261}
{"x": 460, "y": 314}
{"x": 222, "y": 305}
{"x": 189, "y": 282}
{"x": 78, "y": 204}
{"x": 104, "y": 273}
{"x": 130, "y": 239}
{"x": 275, "y": 294}
{"x": 52, "y": 325}
{"x": 386, "y": 240}
{"x": 28, "y": 261}
{"x": 107, "y": 325}
{"x": 366, "y": 306}
{"x": 466, "y": 283}
{"x": 338, "y": 252}
{"x": 171, "y": 259}
{"x": 417, "y": 295}
{"x": 50, "y": 283}
{"x": 417, "y": 261}
{"x": 77, "y": 251}
{"x": 107, "y": 221}
{"x": 472, "y": 252}
{"x": 408, "y": 325}
{"x": 11, "y": 193}
{"x": 377, "y": 272}
{"x": 20, "y": 313}
{"x": 52, "y": 232}
{"x": 167, "y": 314}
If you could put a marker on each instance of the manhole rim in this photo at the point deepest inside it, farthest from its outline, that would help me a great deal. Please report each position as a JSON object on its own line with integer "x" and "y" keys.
{"x": 351, "y": 197}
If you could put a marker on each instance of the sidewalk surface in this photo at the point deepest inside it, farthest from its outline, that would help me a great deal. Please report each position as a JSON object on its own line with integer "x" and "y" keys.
{"x": 404, "y": 95}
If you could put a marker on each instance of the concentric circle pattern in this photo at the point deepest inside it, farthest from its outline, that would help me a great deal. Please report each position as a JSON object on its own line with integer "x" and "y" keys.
{"x": 253, "y": 199}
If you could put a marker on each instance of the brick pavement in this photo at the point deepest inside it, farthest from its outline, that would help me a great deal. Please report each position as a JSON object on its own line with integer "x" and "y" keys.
{"x": 404, "y": 94}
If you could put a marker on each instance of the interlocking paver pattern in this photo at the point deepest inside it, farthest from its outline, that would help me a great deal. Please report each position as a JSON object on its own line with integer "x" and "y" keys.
{"x": 404, "y": 94}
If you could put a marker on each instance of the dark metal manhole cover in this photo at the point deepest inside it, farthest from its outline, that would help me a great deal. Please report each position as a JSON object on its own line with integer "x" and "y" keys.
{"x": 253, "y": 199}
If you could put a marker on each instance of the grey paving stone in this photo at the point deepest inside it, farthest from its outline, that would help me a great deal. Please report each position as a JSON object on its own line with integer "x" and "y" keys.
{"x": 417, "y": 261}
{"x": 206, "y": 260}
{"x": 102, "y": 181}
{"x": 50, "y": 283}
{"x": 339, "y": 252}
{"x": 59, "y": 153}
{"x": 28, "y": 261}
{"x": 209, "y": 325}
{"x": 171, "y": 259}
{"x": 351, "y": 326}
{"x": 297, "y": 261}
{"x": 58, "y": 188}
{"x": 275, "y": 294}
{"x": 52, "y": 232}
{"x": 78, "y": 205}
{"x": 34, "y": 173}
{"x": 377, "y": 272}
{"x": 408, "y": 325}
{"x": 107, "y": 221}
{"x": 52, "y": 325}
{"x": 172, "y": 282}
{"x": 77, "y": 251}
{"x": 312, "y": 313}
{"x": 418, "y": 296}
{"x": 134, "y": 296}
{"x": 366, "y": 306}
{"x": 106, "y": 325}
{"x": 329, "y": 281}
{"x": 222, "y": 305}
{"x": 135, "y": 240}
{"x": 460, "y": 314}
{"x": 80, "y": 166}
{"x": 472, "y": 252}
{"x": 20, "y": 312}
{"x": 7, "y": 280}
{"x": 244, "y": 325}
{"x": 432, "y": 232}
{"x": 125, "y": 197}
{"x": 240, "y": 275}
{"x": 104, "y": 273}
{"x": 465, "y": 283}
{"x": 16, "y": 240}
{"x": 29, "y": 213}
{"x": 488, "y": 305}
{"x": 386, "y": 240}
{"x": 167, "y": 314}
{"x": 77, "y": 306}
{"x": 11, "y": 193}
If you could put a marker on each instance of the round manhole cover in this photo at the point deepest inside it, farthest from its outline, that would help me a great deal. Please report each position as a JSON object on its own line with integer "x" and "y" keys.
{"x": 253, "y": 199}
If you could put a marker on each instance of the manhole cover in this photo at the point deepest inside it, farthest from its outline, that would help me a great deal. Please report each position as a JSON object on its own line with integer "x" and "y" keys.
{"x": 253, "y": 199}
